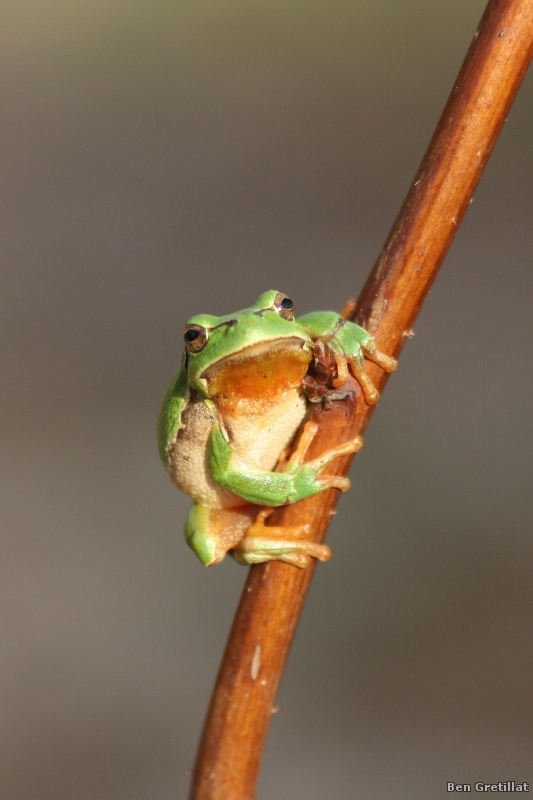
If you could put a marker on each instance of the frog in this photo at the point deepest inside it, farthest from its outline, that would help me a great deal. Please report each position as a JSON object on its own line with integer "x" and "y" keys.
{"x": 234, "y": 408}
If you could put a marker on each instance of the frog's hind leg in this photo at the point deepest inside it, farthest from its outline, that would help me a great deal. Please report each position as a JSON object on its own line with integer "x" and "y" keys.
{"x": 288, "y": 544}
{"x": 211, "y": 532}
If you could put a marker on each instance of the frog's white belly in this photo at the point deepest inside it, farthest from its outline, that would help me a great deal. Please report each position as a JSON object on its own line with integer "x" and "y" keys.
{"x": 258, "y": 440}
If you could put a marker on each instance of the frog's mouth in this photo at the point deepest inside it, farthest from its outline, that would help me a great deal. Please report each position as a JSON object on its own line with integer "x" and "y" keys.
{"x": 259, "y": 374}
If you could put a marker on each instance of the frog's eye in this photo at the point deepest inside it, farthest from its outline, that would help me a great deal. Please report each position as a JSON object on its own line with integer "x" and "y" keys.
{"x": 195, "y": 338}
{"x": 284, "y": 306}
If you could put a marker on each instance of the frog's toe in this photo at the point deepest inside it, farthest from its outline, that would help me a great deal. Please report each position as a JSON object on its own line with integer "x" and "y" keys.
{"x": 258, "y": 549}
{"x": 249, "y": 559}
{"x": 344, "y": 449}
{"x": 388, "y": 363}
{"x": 335, "y": 482}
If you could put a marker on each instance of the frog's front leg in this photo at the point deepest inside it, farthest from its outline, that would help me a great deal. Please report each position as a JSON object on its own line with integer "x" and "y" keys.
{"x": 297, "y": 482}
{"x": 350, "y": 343}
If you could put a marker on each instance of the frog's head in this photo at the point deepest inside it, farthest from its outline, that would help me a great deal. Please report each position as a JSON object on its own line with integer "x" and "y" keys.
{"x": 242, "y": 351}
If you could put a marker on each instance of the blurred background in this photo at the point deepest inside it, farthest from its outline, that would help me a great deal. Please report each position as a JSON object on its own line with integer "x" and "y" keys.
{"x": 167, "y": 158}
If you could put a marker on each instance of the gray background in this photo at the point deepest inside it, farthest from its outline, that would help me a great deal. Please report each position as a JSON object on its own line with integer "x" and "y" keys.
{"x": 167, "y": 158}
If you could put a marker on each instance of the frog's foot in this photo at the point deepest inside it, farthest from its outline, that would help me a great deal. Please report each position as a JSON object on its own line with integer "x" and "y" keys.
{"x": 308, "y": 434}
{"x": 296, "y": 459}
{"x": 369, "y": 390}
{"x": 388, "y": 363}
{"x": 335, "y": 481}
{"x": 299, "y": 554}
{"x": 277, "y": 543}
{"x": 357, "y": 365}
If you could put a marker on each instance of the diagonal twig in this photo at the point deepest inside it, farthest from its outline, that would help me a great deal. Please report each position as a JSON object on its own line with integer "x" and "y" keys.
{"x": 237, "y": 721}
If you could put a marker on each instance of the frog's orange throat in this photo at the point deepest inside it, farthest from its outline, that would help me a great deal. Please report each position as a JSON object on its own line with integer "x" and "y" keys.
{"x": 259, "y": 377}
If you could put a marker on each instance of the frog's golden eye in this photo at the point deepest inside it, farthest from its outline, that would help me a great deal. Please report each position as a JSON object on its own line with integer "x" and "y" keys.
{"x": 284, "y": 306}
{"x": 195, "y": 338}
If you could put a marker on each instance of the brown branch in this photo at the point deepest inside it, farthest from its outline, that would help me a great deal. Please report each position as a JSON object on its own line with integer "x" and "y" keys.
{"x": 237, "y": 721}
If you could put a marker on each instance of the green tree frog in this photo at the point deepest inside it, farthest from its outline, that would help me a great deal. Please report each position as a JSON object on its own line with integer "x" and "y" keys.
{"x": 235, "y": 406}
